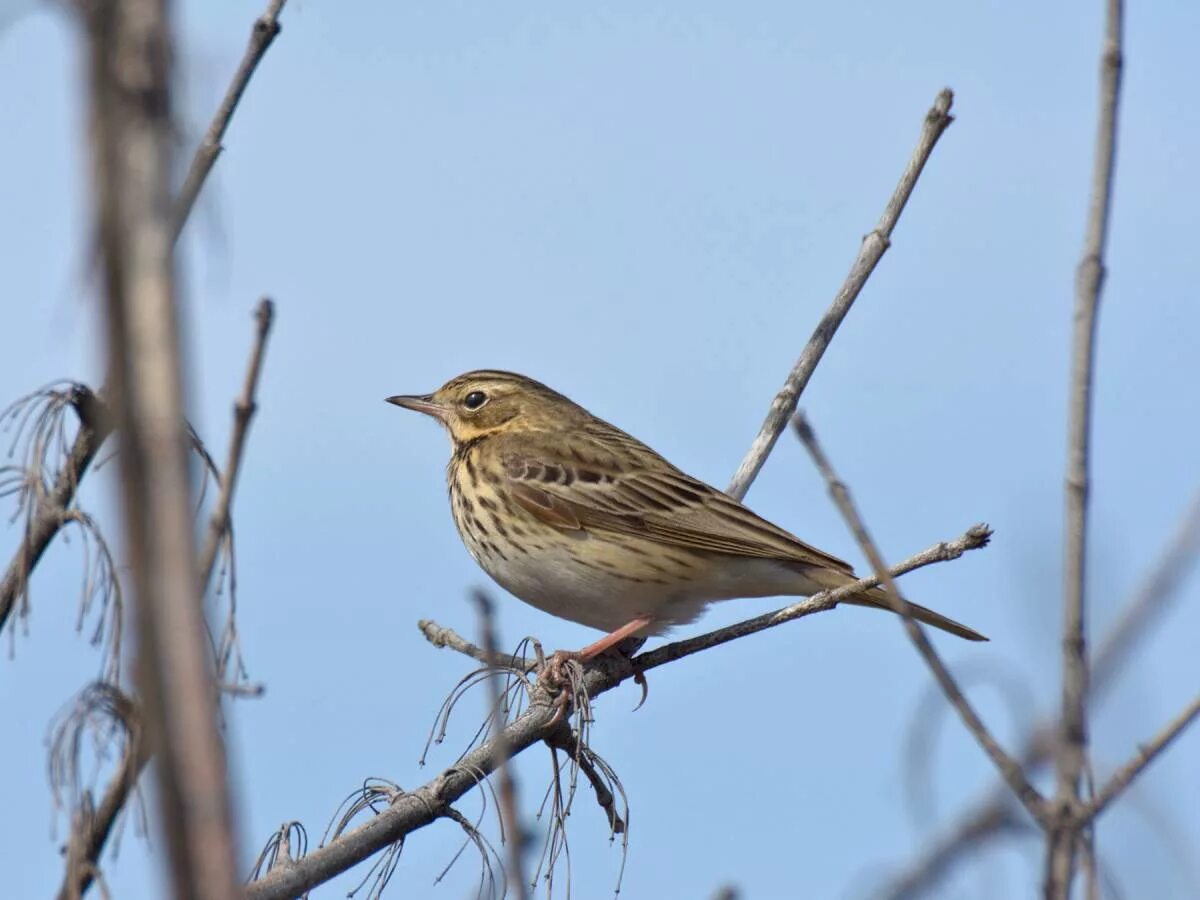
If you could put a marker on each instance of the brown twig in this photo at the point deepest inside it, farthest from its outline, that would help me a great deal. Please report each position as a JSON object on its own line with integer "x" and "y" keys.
{"x": 1063, "y": 835}
{"x": 874, "y": 245}
{"x": 263, "y": 32}
{"x": 1008, "y": 767}
{"x": 510, "y": 818}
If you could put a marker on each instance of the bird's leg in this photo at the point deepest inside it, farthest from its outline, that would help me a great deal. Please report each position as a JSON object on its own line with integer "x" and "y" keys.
{"x": 622, "y": 636}
{"x": 591, "y": 651}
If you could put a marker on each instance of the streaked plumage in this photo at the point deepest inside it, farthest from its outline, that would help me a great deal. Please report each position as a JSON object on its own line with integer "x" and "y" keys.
{"x": 581, "y": 520}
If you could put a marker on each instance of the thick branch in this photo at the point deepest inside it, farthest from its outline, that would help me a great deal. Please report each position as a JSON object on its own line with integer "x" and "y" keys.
{"x": 1073, "y": 734}
{"x": 130, "y": 50}
{"x": 874, "y": 245}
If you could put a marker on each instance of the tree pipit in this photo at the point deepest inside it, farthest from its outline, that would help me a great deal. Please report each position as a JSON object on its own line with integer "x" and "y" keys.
{"x": 585, "y": 522}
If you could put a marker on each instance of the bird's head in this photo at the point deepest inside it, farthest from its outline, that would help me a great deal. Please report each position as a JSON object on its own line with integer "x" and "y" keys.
{"x": 490, "y": 401}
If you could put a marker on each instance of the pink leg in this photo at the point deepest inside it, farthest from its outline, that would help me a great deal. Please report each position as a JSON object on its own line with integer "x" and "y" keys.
{"x": 591, "y": 651}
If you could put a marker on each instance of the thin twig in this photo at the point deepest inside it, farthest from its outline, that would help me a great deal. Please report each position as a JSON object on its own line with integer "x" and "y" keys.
{"x": 874, "y": 245}
{"x": 1120, "y": 779}
{"x": 1062, "y": 838}
{"x": 243, "y": 411}
{"x": 1008, "y": 767}
{"x": 263, "y": 32}
{"x": 510, "y": 817}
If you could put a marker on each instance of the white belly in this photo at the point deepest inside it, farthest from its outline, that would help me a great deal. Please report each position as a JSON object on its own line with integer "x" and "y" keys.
{"x": 555, "y": 583}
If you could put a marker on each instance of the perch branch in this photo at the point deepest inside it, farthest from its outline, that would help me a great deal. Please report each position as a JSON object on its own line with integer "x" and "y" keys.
{"x": 424, "y": 805}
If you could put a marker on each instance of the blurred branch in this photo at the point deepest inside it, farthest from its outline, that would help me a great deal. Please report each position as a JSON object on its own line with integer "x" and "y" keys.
{"x": 130, "y": 51}
{"x": 1008, "y": 767}
{"x": 1063, "y": 836}
{"x": 262, "y": 34}
{"x": 510, "y": 818}
{"x": 874, "y": 245}
{"x": 51, "y": 512}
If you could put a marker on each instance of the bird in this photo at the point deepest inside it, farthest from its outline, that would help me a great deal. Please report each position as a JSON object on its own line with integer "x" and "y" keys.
{"x": 583, "y": 521}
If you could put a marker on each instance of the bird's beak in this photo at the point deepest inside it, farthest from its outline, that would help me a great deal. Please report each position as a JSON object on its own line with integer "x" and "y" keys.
{"x": 424, "y": 404}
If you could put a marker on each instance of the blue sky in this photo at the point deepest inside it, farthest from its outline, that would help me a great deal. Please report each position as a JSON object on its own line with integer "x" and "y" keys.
{"x": 649, "y": 208}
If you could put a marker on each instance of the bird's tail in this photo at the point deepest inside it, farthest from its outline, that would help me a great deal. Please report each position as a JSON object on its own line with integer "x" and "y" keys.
{"x": 877, "y": 598}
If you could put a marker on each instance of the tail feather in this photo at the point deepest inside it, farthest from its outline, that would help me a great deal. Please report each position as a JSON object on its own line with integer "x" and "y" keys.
{"x": 877, "y": 598}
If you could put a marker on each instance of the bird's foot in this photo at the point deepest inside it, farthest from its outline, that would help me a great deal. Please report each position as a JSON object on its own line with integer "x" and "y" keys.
{"x": 558, "y": 682}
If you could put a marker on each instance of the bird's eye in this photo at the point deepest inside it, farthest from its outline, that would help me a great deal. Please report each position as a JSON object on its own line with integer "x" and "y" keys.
{"x": 475, "y": 399}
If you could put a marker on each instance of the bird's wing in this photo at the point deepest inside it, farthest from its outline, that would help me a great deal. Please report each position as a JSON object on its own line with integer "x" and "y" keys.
{"x": 577, "y": 484}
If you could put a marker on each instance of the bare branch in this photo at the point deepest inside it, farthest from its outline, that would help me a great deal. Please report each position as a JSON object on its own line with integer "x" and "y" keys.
{"x": 1008, "y": 767}
{"x": 1145, "y": 755}
{"x": 1061, "y": 840}
{"x": 874, "y": 245}
{"x": 262, "y": 34}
